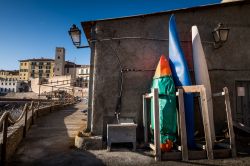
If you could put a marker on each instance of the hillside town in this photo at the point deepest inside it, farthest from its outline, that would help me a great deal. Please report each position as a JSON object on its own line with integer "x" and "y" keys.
{"x": 33, "y": 73}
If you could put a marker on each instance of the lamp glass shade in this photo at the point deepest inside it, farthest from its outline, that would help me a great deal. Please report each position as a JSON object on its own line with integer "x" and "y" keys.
{"x": 75, "y": 35}
{"x": 224, "y": 34}
{"x": 216, "y": 36}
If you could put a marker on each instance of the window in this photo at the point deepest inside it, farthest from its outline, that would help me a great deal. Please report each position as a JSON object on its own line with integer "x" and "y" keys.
{"x": 25, "y": 64}
{"x": 58, "y": 57}
{"x": 67, "y": 70}
{"x": 40, "y": 67}
{"x": 9, "y": 89}
{"x": 2, "y": 83}
{"x": 57, "y": 69}
{"x": 47, "y": 75}
{"x": 24, "y": 74}
{"x": 5, "y": 89}
{"x": 6, "y": 83}
{"x": 14, "y": 84}
{"x": 40, "y": 63}
{"x": 10, "y": 83}
{"x": 1, "y": 89}
{"x": 21, "y": 64}
{"x": 13, "y": 89}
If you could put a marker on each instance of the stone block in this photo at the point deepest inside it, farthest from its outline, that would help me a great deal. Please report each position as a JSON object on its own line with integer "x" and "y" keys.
{"x": 92, "y": 143}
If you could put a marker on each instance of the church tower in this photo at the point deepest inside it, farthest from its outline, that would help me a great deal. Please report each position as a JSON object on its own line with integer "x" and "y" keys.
{"x": 59, "y": 61}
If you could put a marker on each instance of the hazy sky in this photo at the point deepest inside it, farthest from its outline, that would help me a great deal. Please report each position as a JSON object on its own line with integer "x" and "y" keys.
{"x": 33, "y": 28}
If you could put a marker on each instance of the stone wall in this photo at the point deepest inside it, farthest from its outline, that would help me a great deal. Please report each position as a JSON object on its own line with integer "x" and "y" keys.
{"x": 48, "y": 88}
{"x": 226, "y": 64}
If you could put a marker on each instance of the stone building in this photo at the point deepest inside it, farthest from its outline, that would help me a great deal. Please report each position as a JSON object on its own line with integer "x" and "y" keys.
{"x": 70, "y": 69}
{"x": 8, "y": 85}
{"x": 36, "y": 68}
{"x": 9, "y": 74}
{"x": 137, "y": 42}
{"x": 63, "y": 67}
{"x": 47, "y": 68}
{"x": 82, "y": 76}
{"x": 59, "y": 61}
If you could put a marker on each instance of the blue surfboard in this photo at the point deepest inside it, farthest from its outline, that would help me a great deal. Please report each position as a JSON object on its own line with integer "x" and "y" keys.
{"x": 181, "y": 77}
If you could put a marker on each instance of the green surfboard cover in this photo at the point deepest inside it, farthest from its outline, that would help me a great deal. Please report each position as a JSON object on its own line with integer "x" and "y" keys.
{"x": 167, "y": 108}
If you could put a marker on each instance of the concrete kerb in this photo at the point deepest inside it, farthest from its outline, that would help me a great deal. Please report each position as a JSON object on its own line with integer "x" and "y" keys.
{"x": 89, "y": 142}
{"x": 15, "y": 132}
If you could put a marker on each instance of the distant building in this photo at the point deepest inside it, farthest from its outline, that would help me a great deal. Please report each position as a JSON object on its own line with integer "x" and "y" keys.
{"x": 47, "y": 68}
{"x": 36, "y": 68}
{"x": 52, "y": 84}
{"x": 63, "y": 67}
{"x": 11, "y": 85}
{"x": 59, "y": 61}
{"x": 9, "y": 74}
{"x": 82, "y": 76}
{"x": 70, "y": 69}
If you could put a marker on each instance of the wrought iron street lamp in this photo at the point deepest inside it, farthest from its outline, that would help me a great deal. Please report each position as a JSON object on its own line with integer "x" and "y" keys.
{"x": 75, "y": 34}
{"x": 220, "y": 35}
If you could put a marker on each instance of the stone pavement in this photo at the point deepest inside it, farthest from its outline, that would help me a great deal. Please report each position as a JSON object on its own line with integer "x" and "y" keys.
{"x": 50, "y": 142}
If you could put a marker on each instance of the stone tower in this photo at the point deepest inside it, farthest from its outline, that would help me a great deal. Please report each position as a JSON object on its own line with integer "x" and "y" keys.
{"x": 59, "y": 61}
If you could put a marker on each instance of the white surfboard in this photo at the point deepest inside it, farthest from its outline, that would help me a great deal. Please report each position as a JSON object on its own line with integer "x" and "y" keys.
{"x": 201, "y": 73}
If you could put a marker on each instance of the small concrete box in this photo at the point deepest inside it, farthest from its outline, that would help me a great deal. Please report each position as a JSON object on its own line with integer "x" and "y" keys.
{"x": 121, "y": 133}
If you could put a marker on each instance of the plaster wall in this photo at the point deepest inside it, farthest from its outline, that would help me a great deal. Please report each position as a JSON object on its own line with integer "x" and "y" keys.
{"x": 226, "y": 64}
{"x": 57, "y": 85}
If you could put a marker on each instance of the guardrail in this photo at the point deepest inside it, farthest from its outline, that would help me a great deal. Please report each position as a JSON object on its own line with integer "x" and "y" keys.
{"x": 35, "y": 107}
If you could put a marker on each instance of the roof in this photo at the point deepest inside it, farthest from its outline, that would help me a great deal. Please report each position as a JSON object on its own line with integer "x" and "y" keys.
{"x": 86, "y": 25}
{"x": 11, "y": 71}
{"x": 71, "y": 66}
{"x": 84, "y": 66}
{"x": 69, "y": 63}
{"x": 36, "y": 59}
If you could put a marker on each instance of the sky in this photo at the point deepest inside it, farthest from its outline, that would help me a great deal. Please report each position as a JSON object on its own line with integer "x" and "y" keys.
{"x": 34, "y": 28}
